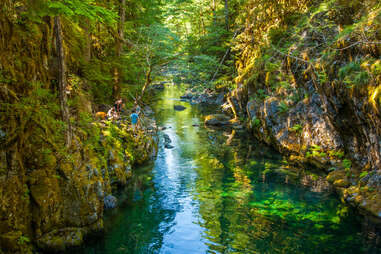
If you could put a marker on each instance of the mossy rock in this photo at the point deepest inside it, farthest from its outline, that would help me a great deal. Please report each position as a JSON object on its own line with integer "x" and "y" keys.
{"x": 336, "y": 175}
{"x": 9, "y": 241}
{"x": 343, "y": 183}
{"x": 217, "y": 120}
{"x": 60, "y": 240}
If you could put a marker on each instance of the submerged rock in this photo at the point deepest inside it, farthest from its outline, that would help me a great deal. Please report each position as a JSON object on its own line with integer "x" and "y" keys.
{"x": 187, "y": 96}
{"x": 179, "y": 107}
{"x": 167, "y": 139}
{"x": 204, "y": 97}
{"x": 159, "y": 86}
{"x": 110, "y": 202}
{"x": 169, "y": 146}
{"x": 217, "y": 120}
{"x": 167, "y": 142}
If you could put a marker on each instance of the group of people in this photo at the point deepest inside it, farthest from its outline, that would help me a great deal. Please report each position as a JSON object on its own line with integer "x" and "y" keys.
{"x": 115, "y": 111}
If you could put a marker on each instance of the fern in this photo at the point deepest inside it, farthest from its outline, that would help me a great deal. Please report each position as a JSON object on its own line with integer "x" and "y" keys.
{"x": 283, "y": 108}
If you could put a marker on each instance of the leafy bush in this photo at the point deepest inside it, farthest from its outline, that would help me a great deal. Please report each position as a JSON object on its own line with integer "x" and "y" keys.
{"x": 315, "y": 151}
{"x": 23, "y": 240}
{"x": 347, "y": 164}
{"x": 256, "y": 122}
{"x": 283, "y": 108}
{"x": 363, "y": 174}
{"x": 339, "y": 154}
{"x": 297, "y": 128}
{"x": 352, "y": 75}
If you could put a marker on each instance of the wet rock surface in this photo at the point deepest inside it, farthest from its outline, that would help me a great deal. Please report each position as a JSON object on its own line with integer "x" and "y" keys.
{"x": 179, "y": 108}
{"x": 110, "y": 202}
{"x": 65, "y": 200}
{"x": 167, "y": 142}
{"x": 217, "y": 120}
{"x": 333, "y": 135}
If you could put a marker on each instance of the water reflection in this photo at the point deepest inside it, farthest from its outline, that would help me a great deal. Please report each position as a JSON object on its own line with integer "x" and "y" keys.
{"x": 220, "y": 192}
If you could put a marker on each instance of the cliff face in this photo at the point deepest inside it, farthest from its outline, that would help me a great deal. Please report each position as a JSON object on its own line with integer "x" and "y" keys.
{"x": 312, "y": 90}
{"x": 56, "y": 206}
{"x": 51, "y": 193}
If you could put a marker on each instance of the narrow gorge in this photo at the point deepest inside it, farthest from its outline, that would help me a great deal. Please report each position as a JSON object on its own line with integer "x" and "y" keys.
{"x": 258, "y": 126}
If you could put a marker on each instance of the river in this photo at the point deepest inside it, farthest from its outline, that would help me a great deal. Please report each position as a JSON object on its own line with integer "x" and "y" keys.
{"x": 219, "y": 191}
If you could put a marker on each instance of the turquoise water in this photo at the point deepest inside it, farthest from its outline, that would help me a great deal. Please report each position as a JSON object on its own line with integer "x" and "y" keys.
{"x": 218, "y": 191}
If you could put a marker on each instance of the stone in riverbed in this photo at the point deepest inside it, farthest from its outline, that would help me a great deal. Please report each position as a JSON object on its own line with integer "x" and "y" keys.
{"x": 167, "y": 142}
{"x": 169, "y": 146}
{"x": 187, "y": 96}
{"x": 179, "y": 108}
{"x": 217, "y": 120}
{"x": 110, "y": 202}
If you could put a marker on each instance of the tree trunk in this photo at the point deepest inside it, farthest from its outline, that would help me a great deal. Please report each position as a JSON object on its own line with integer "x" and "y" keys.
{"x": 62, "y": 80}
{"x": 119, "y": 47}
{"x": 227, "y": 15}
{"x": 214, "y": 12}
{"x": 87, "y": 50}
{"x": 148, "y": 81}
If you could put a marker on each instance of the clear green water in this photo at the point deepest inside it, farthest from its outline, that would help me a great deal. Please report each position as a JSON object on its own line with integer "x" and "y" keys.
{"x": 209, "y": 195}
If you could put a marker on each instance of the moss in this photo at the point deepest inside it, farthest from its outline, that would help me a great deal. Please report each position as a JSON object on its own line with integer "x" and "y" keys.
{"x": 336, "y": 175}
{"x": 60, "y": 240}
{"x": 9, "y": 241}
{"x": 341, "y": 183}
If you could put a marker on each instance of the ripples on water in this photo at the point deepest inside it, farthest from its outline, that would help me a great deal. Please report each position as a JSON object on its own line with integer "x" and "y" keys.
{"x": 221, "y": 192}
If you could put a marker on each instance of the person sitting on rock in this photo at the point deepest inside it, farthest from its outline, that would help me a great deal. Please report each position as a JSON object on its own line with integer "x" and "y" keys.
{"x": 112, "y": 114}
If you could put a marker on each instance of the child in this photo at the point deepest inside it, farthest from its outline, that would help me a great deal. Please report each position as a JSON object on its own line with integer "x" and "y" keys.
{"x": 134, "y": 120}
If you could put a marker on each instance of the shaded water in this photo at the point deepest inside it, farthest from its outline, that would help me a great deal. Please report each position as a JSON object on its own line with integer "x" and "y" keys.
{"x": 209, "y": 195}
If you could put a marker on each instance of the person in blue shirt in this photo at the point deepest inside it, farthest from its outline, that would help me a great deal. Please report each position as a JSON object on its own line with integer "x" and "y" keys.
{"x": 134, "y": 120}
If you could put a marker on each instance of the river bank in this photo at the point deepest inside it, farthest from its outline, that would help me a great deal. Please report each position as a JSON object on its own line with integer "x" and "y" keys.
{"x": 219, "y": 190}
{"x": 64, "y": 201}
{"x": 305, "y": 135}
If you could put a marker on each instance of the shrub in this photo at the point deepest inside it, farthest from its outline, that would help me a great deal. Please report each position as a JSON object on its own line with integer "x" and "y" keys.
{"x": 283, "y": 108}
{"x": 297, "y": 128}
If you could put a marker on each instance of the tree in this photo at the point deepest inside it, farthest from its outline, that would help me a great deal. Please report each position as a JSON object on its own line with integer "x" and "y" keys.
{"x": 119, "y": 48}
{"x": 62, "y": 82}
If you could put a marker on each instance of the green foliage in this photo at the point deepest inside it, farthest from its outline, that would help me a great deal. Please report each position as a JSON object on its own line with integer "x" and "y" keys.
{"x": 23, "y": 240}
{"x": 364, "y": 174}
{"x": 297, "y": 128}
{"x": 323, "y": 78}
{"x": 82, "y": 9}
{"x": 283, "y": 107}
{"x": 353, "y": 75}
{"x": 315, "y": 151}
{"x": 347, "y": 164}
{"x": 256, "y": 122}
{"x": 277, "y": 34}
{"x": 261, "y": 94}
{"x": 338, "y": 154}
{"x": 271, "y": 67}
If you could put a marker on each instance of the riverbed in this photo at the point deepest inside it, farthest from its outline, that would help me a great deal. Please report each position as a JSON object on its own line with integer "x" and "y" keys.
{"x": 220, "y": 191}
